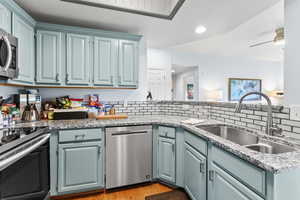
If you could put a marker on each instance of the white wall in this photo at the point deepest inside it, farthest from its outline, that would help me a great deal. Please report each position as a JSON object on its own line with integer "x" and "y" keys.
{"x": 109, "y": 95}
{"x": 214, "y": 71}
{"x": 292, "y": 49}
{"x": 5, "y": 91}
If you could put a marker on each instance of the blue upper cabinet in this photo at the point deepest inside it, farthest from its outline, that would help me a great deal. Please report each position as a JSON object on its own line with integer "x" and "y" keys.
{"x": 5, "y": 19}
{"x": 78, "y": 59}
{"x": 49, "y": 52}
{"x": 26, "y": 52}
{"x": 105, "y": 60}
{"x": 128, "y": 63}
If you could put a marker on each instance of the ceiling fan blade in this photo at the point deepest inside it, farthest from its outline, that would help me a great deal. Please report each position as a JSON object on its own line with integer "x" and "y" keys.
{"x": 261, "y": 43}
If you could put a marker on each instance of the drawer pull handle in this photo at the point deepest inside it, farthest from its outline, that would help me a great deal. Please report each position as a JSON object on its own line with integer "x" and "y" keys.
{"x": 211, "y": 175}
{"x": 202, "y": 168}
{"x": 77, "y": 136}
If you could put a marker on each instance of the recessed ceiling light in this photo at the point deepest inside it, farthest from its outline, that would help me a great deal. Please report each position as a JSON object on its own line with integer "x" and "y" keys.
{"x": 200, "y": 29}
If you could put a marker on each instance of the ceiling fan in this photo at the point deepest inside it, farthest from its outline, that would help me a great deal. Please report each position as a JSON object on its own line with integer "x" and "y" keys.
{"x": 278, "y": 39}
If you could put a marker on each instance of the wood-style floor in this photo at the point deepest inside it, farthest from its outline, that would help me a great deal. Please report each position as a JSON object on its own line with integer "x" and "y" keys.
{"x": 137, "y": 193}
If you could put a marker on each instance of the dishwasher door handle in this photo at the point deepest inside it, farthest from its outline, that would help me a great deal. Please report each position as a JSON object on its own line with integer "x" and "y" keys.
{"x": 128, "y": 133}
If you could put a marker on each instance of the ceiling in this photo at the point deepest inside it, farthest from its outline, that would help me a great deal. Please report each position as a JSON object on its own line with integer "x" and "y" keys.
{"x": 236, "y": 42}
{"x": 162, "y": 9}
{"x": 219, "y": 16}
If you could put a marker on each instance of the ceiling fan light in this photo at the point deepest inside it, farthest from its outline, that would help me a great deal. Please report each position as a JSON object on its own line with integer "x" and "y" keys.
{"x": 279, "y": 38}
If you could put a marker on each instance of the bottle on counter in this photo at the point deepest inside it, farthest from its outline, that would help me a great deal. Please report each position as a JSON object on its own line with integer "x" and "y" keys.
{"x": 112, "y": 110}
{"x": 1, "y": 120}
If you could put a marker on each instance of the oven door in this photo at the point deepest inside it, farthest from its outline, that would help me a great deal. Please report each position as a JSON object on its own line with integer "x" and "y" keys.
{"x": 28, "y": 178}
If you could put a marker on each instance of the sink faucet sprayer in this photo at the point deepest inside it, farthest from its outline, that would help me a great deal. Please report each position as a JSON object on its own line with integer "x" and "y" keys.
{"x": 271, "y": 129}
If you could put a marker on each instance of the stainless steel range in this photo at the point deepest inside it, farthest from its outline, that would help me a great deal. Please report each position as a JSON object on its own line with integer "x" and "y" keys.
{"x": 24, "y": 163}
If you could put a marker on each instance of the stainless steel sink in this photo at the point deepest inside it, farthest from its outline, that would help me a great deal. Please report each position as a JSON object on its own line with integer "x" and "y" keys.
{"x": 269, "y": 147}
{"x": 235, "y": 135}
{"x": 245, "y": 138}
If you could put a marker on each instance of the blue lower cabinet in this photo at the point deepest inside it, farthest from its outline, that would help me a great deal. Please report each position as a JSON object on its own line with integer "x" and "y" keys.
{"x": 222, "y": 185}
{"x": 195, "y": 172}
{"x": 166, "y": 159}
{"x": 80, "y": 167}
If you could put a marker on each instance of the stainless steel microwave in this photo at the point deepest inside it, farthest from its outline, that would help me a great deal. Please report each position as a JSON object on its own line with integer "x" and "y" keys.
{"x": 8, "y": 55}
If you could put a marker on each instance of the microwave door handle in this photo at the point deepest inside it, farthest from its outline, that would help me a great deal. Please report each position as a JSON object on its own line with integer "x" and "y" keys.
{"x": 9, "y": 55}
{"x": 12, "y": 159}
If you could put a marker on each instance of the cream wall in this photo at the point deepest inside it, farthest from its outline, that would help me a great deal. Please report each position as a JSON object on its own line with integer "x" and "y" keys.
{"x": 214, "y": 72}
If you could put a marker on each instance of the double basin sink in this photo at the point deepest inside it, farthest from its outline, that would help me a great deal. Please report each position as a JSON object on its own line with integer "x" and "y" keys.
{"x": 247, "y": 139}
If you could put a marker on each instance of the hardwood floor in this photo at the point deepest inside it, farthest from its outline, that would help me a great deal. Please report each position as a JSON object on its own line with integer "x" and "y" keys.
{"x": 138, "y": 193}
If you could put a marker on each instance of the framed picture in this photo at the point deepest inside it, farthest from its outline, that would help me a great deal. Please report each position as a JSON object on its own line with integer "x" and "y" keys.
{"x": 190, "y": 91}
{"x": 238, "y": 87}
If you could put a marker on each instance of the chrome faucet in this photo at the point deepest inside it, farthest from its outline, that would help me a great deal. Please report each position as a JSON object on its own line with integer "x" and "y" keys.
{"x": 271, "y": 129}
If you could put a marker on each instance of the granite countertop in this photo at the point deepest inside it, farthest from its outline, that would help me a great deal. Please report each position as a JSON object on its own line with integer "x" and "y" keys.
{"x": 277, "y": 163}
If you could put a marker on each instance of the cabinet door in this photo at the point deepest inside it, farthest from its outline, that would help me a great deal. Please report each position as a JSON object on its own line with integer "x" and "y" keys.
{"x": 166, "y": 159}
{"x": 49, "y": 46}
{"x": 128, "y": 63}
{"x": 80, "y": 166}
{"x": 105, "y": 59}
{"x": 78, "y": 59}
{"x": 224, "y": 186}
{"x": 25, "y": 35}
{"x": 194, "y": 173}
{"x": 5, "y": 19}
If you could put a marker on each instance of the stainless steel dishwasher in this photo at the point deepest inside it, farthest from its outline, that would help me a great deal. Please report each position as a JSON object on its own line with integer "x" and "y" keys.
{"x": 128, "y": 155}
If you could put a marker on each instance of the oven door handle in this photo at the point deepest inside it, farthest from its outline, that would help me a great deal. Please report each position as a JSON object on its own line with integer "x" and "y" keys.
{"x": 9, "y": 53}
{"x": 14, "y": 158}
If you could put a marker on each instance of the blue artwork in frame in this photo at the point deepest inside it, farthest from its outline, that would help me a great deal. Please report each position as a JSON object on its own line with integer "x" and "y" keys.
{"x": 239, "y": 87}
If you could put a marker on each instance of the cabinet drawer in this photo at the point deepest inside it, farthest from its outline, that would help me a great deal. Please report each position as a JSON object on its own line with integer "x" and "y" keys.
{"x": 165, "y": 131}
{"x": 247, "y": 173}
{"x": 196, "y": 142}
{"x": 80, "y": 135}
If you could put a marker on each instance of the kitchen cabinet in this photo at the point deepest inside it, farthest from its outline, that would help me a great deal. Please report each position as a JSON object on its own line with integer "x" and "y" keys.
{"x": 128, "y": 63}
{"x": 78, "y": 59}
{"x": 76, "y": 161}
{"x": 194, "y": 173}
{"x": 49, "y": 61}
{"x": 105, "y": 61}
{"x": 80, "y": 166}
{"x": 166, "y": 159}
{"x": 224, "y": 186}
{"x": 26, "y": 49}
{"x": 5, "y": 19}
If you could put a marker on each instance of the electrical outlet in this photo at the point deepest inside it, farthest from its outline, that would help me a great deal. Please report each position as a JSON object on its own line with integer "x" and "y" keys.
{"x": 295, "y": 112}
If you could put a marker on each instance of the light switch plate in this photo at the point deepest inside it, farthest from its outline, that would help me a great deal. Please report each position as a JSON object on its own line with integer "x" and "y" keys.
{"x": 295, "y": 112}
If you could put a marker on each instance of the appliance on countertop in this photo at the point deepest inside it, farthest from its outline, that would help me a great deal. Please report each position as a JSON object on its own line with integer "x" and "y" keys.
{"x": 24, "y": 163}
{"x": 32, "y": 103}
{"x": 8, "y": 55}
{"x": 128, "y": 155}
